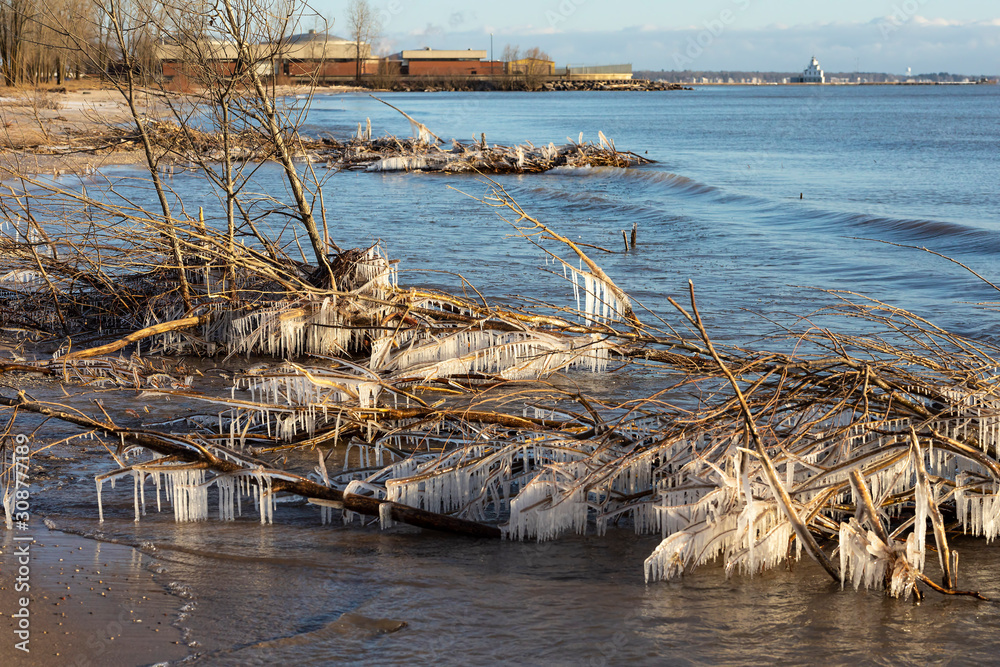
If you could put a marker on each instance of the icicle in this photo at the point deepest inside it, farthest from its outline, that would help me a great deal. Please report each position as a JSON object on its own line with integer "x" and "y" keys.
{"x": 385, "y": 515}
{"x": 100, "y": 506}
{"x": 136, "y": 483}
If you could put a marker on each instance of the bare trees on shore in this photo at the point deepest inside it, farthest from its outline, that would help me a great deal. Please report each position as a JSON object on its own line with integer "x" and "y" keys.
{"x": 45, "y": 41}
{"x": 365, "y": 26}
{"x": 33, "y": 46}
{"x": 528, "y": 69}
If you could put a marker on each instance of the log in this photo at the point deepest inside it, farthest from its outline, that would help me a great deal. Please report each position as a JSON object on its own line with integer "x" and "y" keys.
{"x": 135, "y": 336}
{"x": 298, "y": 485}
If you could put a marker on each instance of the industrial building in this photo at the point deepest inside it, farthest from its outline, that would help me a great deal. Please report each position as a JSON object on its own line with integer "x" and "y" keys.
{"x": 314, "y": 54}
{"x": 596, "y": 72}
{"x": 439, "y": 62}
{"x": 311, "y": 54}
{"x": 531, "y": 67}
{"x": 324, "y": 57}
{"x": 194, "y": 59}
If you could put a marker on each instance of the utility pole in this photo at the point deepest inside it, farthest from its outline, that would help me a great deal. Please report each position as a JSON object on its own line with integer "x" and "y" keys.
{"x": 491, "y": 55}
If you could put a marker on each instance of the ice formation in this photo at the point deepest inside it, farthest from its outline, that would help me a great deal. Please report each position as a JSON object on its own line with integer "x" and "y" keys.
{"x": 185, "y": 487}
{"x": 600, "y": 301}
{"x": 402, "y": 163}
{"x": 511, "y": 355}
{"x": 310, "y": 325}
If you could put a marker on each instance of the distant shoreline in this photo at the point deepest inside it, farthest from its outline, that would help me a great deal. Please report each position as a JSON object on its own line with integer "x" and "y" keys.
{"x": 42, "y": 131}
{"x": 854, "y": 83}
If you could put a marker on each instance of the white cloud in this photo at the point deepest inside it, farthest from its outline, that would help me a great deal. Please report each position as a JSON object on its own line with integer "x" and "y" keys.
{"x": 951, "y": 23}
{"x": 938, "y": 22}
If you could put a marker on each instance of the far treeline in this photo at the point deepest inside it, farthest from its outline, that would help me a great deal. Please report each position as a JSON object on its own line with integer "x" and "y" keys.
{"x": 42, "y": 40}
{"x": 45, "y": 41}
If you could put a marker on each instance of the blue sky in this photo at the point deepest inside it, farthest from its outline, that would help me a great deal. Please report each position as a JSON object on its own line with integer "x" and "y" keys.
{"x": 871, "y": 35}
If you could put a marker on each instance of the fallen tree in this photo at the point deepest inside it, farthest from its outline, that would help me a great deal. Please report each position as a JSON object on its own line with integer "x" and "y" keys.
{"x": 445, "y": 418}
{"x": 448, "y": 411}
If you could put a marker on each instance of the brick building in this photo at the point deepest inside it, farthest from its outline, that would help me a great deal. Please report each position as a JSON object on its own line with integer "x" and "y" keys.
{"x": 324, "y": 55}
{"x": 440, "y": 62}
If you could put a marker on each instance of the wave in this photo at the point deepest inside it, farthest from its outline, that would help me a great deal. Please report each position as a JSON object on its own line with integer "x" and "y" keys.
{"x": 944, "y": 235}
{"x": 668, "y": 179}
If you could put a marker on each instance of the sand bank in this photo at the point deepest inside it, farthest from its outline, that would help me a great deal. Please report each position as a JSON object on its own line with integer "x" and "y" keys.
{"x": 53, "y": 129}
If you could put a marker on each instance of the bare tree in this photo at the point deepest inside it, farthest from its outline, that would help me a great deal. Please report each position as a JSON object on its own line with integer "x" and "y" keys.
{"x": 15, "y": 16}
{"x": 77, "y": 17}
{"x": 527, "y": 70}
{"x": 44, "y": 51}
{"x": 227, "y": 49}
{"x": 365, "y": 26}
{"x": 511, "y": 54}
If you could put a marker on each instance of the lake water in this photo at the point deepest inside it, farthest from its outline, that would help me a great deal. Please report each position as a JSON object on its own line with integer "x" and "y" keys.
{"x": 911, "y": 165}
{"x": 756, "y": 195}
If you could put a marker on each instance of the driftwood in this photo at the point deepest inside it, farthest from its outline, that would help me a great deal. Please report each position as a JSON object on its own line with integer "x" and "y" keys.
{"x": 188, "y": 449}
{"x": 184, "y": 148}
{"x": 580, "y": 445}
{"x": 135, "y": 336}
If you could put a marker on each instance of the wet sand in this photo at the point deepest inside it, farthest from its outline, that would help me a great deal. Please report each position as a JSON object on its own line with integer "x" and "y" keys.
{"x": 91, "y": 603}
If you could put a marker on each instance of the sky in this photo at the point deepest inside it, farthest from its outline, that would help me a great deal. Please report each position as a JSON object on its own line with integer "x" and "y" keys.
{"x": 958, "y": 36}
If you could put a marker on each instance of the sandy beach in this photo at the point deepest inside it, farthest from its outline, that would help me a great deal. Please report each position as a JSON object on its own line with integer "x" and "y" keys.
{"x": 91, "y": 603}
{"x": 57, "y": 128}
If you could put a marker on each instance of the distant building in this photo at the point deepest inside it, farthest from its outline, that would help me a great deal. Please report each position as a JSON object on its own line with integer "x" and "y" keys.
{"x": 309, "y": 54}
{"x": 441, "y": 62}
{"x": 597, "y": 72}
{"x": 812, "y": 74}
{"x": 200, "y": 58}
{"x": 320, "y": 54}
{"x": 531, "y": 66}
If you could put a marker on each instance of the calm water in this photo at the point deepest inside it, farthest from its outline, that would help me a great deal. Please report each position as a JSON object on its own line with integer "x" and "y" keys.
{"x": 917, "y": 166}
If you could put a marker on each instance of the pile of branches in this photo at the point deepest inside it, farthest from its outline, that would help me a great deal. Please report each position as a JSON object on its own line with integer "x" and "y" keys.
{"x": 184, "y": 145}
{"x": 415, "y": 154}
{"x": 424, "y": 152}
{"x": 443, "y": 412}
{"x": 185, "y": 141}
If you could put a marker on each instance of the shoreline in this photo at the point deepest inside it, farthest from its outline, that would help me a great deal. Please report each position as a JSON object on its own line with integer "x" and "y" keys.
{"x": 92, "y": 602}
{"x": 850, "y": 84}
{"x": 53, "y": 130}
{"x": 89, "y": 130}
{"x": 50, "y": 130}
